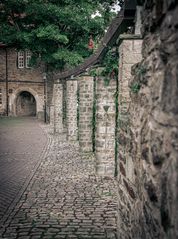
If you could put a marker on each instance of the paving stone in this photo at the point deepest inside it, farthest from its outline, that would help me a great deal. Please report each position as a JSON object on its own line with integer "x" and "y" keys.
{"x": 65, "y": 199}
{"x": 21, "y": 143}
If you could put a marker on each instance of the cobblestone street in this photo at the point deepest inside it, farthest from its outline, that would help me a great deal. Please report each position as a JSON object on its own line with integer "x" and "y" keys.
{"x": 21, "y": 144}
{"x": 63, "y": 199}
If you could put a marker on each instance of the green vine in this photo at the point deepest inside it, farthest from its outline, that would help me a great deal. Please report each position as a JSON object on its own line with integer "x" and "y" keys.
{"x": 94, "y": 114}
{"x": 116, "y": 127}
{"x": 78, "y": 112}
{"x": 141, "y": 70}
{"x": 93, "y": 72}
{"x": 64, "y": 105}
{"x": 135, "y": 87}
{"x": 109, "y": 67}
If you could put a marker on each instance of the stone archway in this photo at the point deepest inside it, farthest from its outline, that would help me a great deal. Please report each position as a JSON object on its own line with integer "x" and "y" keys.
{"x": 25, "y": 104}
{"x": 13, "y": 100}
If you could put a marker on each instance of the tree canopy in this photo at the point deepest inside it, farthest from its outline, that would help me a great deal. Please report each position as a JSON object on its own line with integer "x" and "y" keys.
{"x": 56, "y": 31}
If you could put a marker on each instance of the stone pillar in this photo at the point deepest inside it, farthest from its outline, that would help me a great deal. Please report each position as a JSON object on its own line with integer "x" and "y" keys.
{"x": 105, "y": 127}
{"x": 51, "y": 113}
{"x": 71, "y": 100}
{"x": 58, "y": 107}
{"x": 130, "y": 54}
{"x": 128, "y": 167}
{"x": 85, "y": 112}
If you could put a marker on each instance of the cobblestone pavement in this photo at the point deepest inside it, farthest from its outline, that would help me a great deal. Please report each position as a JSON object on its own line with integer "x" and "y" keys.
{"x": 64, "y": 199}
{"x": 21, "y": 143}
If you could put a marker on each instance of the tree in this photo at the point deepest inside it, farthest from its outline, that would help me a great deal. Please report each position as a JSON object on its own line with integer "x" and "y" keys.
{"x": 56, "y": 31}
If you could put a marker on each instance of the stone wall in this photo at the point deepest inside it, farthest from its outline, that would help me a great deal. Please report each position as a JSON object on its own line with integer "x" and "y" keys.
{"x": 15, "y": 73}
{"x": 128, "y": 174}
{"x": 148, "y": 205}
{"x": 16, "y": 88}
{"x": 25, "y": 79}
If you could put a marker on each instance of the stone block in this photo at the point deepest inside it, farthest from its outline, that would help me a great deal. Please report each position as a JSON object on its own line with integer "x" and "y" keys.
{"x": 85, "y": 112}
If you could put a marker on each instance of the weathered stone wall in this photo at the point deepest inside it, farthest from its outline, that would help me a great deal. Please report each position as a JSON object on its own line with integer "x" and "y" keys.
{"x": 128, "y": 175}
{"x": 149, "y": 204}
{"x": 15, "y": 73}
{"x": 35, "y": 89}
{"x": 105, "y": 126}
{"x": 71, "y": 110}
{"x": 2, "y": 79}
{"x": 26, "y": 79}
{"x": 85, "y": 112}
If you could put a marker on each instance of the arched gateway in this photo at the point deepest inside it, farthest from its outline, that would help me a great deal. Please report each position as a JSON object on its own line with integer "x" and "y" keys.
{"x": 25, "y": 101}
{"x": 25, "y": 104}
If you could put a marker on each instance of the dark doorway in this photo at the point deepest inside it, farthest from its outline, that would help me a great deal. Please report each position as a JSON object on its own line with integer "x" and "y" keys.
{"x": 26, "y": 104}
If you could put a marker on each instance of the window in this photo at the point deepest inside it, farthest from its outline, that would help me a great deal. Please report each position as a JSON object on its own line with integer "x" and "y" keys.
{"x": 28, "y": 57}
{"x": 24, "y": 59}
{"x": 20, "y": 59}
{"x": 0, "y": 96}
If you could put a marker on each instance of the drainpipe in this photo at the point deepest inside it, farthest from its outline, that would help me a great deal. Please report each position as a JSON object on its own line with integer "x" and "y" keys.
{"x": 7, "y": 85}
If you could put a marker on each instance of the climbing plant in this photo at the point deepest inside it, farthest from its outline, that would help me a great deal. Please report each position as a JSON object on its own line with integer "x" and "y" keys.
{"x": 108, "y": 68}
{"x": 116, "y": 126}
{"x": 110, "y": 65}
{"x": 78, "y": 111}
{"x": 140, "y": 72}
{"x": 94, "y": 113}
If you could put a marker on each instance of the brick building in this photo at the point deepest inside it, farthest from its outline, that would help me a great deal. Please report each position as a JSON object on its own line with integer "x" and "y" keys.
{"x": 22, "y": 88}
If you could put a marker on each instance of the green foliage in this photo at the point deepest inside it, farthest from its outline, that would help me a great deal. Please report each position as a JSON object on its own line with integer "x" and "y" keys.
{"x": 116, "y": 126}
{"x": 93, "y": 72}
{"x": 78, "y": 111}
{"x": 110, "y": 64}
{"x": 109, "y": 69}
{"x": 57, "y": 32}
{"x": 94, "y": 115}
{"x": 135, "y": 87}
{"x": 141, "y": 71}
{"x": 49, "y": 33}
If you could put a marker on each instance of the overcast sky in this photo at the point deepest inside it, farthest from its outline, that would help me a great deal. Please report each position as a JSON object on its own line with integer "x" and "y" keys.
{"x": 115, "y": 8}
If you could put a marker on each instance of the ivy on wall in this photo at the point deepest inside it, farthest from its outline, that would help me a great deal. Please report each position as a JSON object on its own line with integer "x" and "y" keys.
{"x": 109, "y": 67}
{"x": 64, "y": 104}
{"x": 78, "y": 111}
{"x": 139, "y": 72}
{"x": 116, "y": 127}
{"x": 94, "y": 114}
